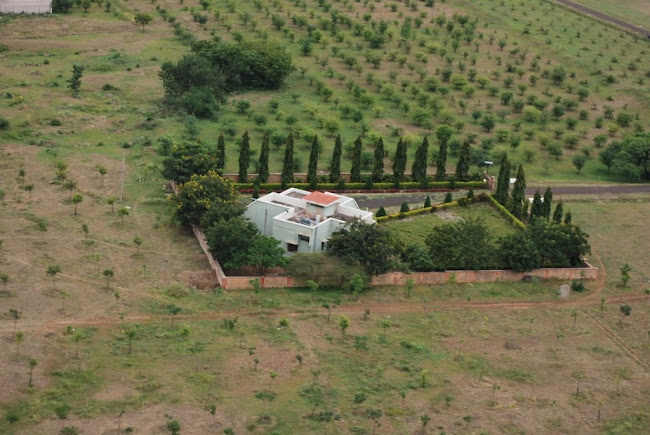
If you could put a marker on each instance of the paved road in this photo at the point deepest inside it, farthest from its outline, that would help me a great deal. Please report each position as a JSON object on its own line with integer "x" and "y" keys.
{"x": 603, "y": 17}
{"x": 391, "y": 200}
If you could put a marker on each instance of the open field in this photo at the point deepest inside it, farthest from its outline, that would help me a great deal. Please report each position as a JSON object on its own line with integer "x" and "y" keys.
{"x": 415, "y": 229}
{"x": 483, "y": 358}
{"x": 636, "y": 12}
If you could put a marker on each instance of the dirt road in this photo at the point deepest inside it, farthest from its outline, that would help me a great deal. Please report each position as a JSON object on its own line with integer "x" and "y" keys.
{"x": 373, "y": 202}
{"x": 603, "y": 17}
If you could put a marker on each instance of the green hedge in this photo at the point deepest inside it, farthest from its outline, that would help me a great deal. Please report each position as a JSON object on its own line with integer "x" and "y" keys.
{"x": 417, "y": 211}
{"x": 364, "y": 186}
{"x": 504, "y": 211}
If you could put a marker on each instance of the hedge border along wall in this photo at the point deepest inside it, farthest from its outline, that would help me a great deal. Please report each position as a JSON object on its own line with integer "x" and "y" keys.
{"x": 376, "y": 187}
{"x": 417, "y": 211}
{"x": 504, "y": 211}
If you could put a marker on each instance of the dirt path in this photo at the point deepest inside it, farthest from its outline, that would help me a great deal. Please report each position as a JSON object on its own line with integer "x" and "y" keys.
{"x": 603, "y": 17}
{"x": 373, "y": 201}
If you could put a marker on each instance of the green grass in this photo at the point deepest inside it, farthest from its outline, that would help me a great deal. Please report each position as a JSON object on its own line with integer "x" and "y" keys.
{"x": 636, "y": 12}
{"x": 414, "y": 230}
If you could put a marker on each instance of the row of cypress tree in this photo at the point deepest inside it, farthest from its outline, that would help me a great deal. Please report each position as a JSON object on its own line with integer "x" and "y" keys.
{"x": 418, "y": 169}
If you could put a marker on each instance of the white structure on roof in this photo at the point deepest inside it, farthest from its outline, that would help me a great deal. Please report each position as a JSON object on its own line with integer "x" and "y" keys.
{"x": 25, "y": 6}
{"x": 302, "y": 220}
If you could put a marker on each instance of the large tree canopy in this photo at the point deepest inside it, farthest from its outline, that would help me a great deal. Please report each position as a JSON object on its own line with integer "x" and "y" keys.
{"x": 189, "y": 159}
{"x": 366, "y": 244}
{"x": 631, "y": 157}
{"x": 248, "y": 64}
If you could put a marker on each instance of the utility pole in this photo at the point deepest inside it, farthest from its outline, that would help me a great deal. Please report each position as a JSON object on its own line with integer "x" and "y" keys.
{"x": 122, "y": 184}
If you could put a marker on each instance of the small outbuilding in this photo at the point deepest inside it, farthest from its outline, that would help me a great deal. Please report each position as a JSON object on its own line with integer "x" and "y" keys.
{"x": 25, "y": 6}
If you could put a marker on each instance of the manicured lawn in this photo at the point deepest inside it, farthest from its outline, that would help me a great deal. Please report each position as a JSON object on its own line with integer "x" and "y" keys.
{"x": 416, "y": 228}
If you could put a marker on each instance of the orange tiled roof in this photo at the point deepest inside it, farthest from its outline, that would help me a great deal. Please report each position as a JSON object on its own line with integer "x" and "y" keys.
{"x": 320, "y": 198}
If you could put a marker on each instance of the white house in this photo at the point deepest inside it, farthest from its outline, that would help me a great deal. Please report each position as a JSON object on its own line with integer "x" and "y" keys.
{"x": 302, "y": 220}
{"x": 25, "y": 6}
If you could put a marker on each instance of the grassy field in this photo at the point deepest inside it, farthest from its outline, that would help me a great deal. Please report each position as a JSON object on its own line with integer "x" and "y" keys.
{"x": 635, "y": 12}
{"x": 414, "y": 230}
{"x": 396, "y": 90}
{"x": 481, "y": 358}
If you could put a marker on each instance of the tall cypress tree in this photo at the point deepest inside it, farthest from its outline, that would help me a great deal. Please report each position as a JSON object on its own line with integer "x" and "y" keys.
{"x": 443, "y": 133}
{"x": 378, "y": 162}
{"x": 399, "y": 162}
{"x": 537, "y": 209}
{"x": 548, "y": 202}
{"x": 557, "y": 214}
{"x": 335, "y": 165}
{"x": 503, "y": 182}
{"x": 244, "y": 157}
{"x": 355, "y": 172}
{"x": 312, "y": 171}
{"x": 287, "y": 164}
{"x": 518, "y": 193}
{"x": 263, "y": 171}
{"x": 419, "y": 168}
{"x": 221, "y": 155}
{"x": 462, "y": 167}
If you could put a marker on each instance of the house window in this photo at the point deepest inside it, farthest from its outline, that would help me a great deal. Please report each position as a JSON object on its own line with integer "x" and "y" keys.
{"x": 302, "y": 238}
{"x": 292, "y": 247}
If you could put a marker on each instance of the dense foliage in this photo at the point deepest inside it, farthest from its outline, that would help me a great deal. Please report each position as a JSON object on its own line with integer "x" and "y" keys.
{"x": 190, "y": 159}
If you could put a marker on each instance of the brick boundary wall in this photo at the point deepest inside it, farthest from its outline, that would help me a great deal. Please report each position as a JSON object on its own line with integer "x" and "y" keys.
{"x": 398, "y": 278}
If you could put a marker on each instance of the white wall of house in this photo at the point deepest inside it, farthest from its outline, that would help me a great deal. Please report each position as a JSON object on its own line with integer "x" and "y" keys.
{"x": 26, "y": 6}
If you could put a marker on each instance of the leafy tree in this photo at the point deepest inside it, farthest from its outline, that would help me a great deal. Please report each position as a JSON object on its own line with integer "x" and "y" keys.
{"x": 244, "y": 157}
{"x": 631, "y": 158}
{"x": 625, "y": 274}
{"x": 227, "y": 239}
{"x": 626, "y": 311}
{"x": 378, "y": 161}
{"x": 194, "y": 84}
{"x": 356, "y": 284}
{"x": 262, "y": 253}
{"x": 263, "y": 162}
{"x": 355, "y": 172}
{"x": 5, "y": 279}
{"x": 503, "y": 181}
{"x": 375, "y": 415}
{"x": 579, "y": 161}
{"x": 203, "y": 193}
{"x": 102, "y": 171}
{"x": 266, "y": 396}
{"x": 32, "y": 364}
{"x": 419, "y": 168}
{"x": 288, "y": 163}
{"x": 518, "y": 252}
{"x": 108, "y": 274}
{"x": 137, "y": 241}
{"x": 462, "y": 167}
{"x": 366, "y": 244}
{"x": 61, "y": 6}
{"x": 344, "y": 324}
{"x": 386, "y": 324}
{"x": 460, "y": 245}
{"x": 399, "y": 162}
{"x": 142, "y": 19}
{"x": 192, "y": 159}
{"x": 219, "y": 157}
{"x": 558, "y": 245}
{"x": 53, "y": 270}
{"x": 77, "y": 198}
{"x": 19, "y": 337}
{"x": 251, "y": 63}
{"x": 123, "y": 211}
{"x": 15, "y": 314}
{"x": 173, "y": 309}
{"x": 312, "y": 171}
{"x": 130, "y": 334}
{"x": 443, "y": 133}
{"x": 74, "y": 82}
